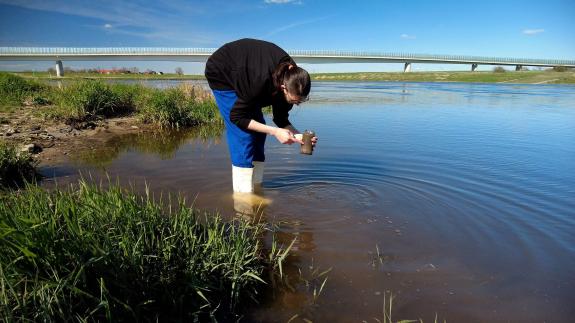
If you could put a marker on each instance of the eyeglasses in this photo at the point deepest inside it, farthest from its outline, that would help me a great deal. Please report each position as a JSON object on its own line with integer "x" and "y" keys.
{"x": 295, "y": 99}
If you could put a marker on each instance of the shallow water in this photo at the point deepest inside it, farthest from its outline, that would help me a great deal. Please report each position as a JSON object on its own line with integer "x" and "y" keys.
{"x": 458, "y": 199}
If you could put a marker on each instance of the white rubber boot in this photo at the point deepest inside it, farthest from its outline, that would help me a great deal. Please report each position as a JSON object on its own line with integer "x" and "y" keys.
{"x": 242, "y": 178}
{"x": 258, "y": 172}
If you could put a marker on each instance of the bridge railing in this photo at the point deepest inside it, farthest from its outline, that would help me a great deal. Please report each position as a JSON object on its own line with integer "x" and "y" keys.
{"x": 102, "y": 51}
{"x": 169, "y": 51}
{"x": 431, "y": 57}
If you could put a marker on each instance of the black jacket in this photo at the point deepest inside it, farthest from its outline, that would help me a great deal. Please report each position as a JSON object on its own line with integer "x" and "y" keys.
{"x": 246, "y": 66}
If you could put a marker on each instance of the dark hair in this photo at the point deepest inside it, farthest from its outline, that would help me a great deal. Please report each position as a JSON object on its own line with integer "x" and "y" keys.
{"x": 295, "y": 78}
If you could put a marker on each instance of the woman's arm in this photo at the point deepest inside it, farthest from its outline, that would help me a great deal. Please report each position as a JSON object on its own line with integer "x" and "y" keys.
{"x": 291, "y": 128}
{"x": 283, "y": 135}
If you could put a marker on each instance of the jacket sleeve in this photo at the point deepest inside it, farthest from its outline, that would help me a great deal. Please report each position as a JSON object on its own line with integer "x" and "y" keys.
{"x": 281, "y": 113}
{"x": 248, "y": 86}
{"x": 240, "y": 113}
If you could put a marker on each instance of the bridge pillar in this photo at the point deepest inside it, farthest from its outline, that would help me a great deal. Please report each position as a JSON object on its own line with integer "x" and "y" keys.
{"x": 407, "y": 67}
{"x": 518, "y": 67}
{"x": 473, "y": 67}
{"x": 59, "y": 69}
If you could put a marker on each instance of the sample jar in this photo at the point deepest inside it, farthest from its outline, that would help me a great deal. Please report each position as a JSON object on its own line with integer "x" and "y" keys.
{"x": 307, "y": 147}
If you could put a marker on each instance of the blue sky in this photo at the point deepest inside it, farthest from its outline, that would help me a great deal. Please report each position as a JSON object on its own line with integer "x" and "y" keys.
{"x": 532, "y": 29}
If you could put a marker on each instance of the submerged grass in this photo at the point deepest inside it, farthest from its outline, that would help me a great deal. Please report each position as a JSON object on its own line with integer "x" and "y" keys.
{"x": 86, "y": 253}
{"x": 387, "y": 313}
{"x": 16, "y": 168}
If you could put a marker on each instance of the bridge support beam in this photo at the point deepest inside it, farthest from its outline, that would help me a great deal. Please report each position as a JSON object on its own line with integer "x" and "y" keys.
{"x": 473, "y": 67}
{"x": 407, "y": 67}
{"x": 518, "y": 67}
{"x": 59, "y": 69}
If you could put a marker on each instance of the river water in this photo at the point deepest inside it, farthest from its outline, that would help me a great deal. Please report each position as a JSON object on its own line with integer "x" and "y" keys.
{"x": 457, "y": 199}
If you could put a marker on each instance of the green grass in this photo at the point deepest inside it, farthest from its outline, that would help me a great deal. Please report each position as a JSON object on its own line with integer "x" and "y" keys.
{"x": 14, "y": 90}
{"x": 88, "y": 253}
{"x": 84, "y": 100}
{"x": 555, "y": 76}
{"x": 15, "y": 168}
{"x": 177, "y": 107}
{"x": 81, "y": 75}
{"x": 551, "y": 77}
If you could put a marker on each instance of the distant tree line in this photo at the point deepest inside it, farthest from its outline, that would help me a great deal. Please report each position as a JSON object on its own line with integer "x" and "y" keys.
{"x": 561, "y": 69}
{"x": 500, "y": 69}
{"x": 114, "y": 70}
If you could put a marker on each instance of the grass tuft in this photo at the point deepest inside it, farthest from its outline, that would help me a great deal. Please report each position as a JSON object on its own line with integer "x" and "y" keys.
{"x": 14, "y": 90}
{"x": 89, "y": 99}
{"x": 86, "y": 253}
{"x": 86, "y": 100}
{"x": 177, "y": 107}
{"x": 181, "y": 106}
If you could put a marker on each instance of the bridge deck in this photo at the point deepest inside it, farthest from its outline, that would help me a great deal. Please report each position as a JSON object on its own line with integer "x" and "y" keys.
{"x": 305, "y": 56}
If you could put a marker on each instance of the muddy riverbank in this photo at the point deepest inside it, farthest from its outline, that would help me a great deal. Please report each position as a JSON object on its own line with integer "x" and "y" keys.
{"x": 52, "y": 121}
{"x": 51, "y": 141}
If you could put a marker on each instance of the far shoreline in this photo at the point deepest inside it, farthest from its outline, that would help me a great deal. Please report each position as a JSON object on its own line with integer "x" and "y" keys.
{"x": 507, "y": 77}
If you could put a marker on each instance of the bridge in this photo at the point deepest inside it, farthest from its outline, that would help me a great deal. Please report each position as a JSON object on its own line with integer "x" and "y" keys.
{"x": 60, "y": 54}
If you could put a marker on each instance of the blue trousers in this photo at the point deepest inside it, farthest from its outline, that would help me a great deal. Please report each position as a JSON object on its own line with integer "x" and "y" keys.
{"x": 245, "y": 146}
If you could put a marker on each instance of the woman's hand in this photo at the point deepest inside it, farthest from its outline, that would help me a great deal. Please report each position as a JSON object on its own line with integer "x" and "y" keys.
{"x": 313, "y": 139}
{"x": 286, "y": 137}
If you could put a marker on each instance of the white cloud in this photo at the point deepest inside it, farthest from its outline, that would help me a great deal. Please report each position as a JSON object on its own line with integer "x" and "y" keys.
{"x": 295, "y": 24}
{"x": 131, "y": 18}
{"x": 406, "y": 36}
{"x": 282, "y": 1}
{"x": 531, "y": 32}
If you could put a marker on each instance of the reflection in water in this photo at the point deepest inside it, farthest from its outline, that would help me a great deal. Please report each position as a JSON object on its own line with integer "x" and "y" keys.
{"x": 251, "y": 206}
{"x": 163, "y": 143}
{"x": 299, "y": 286}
